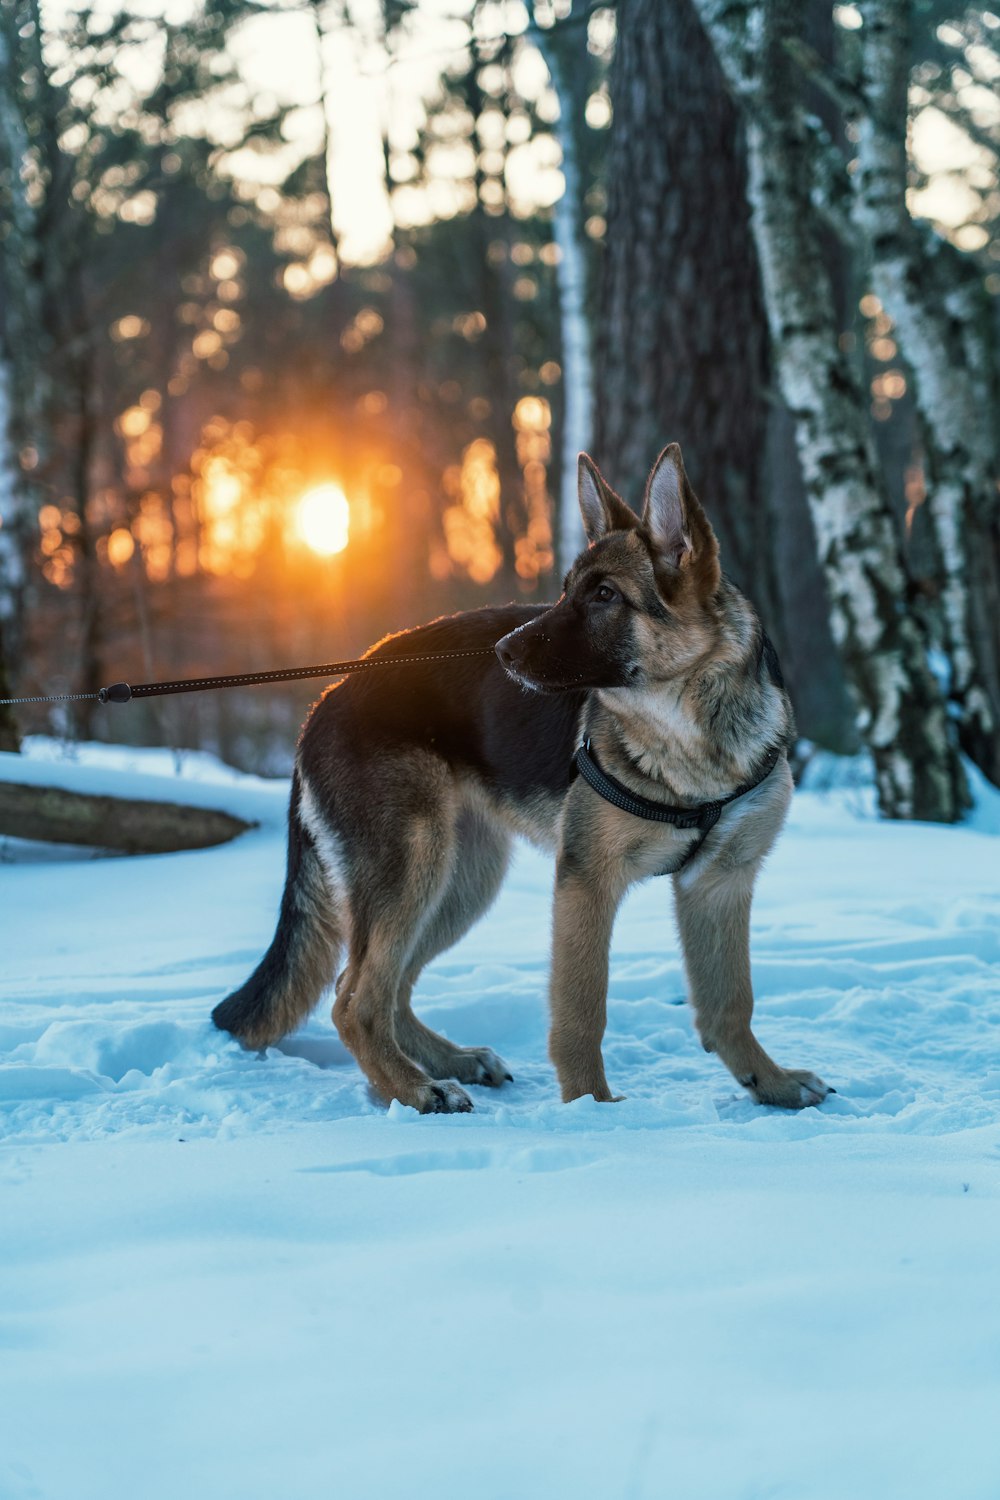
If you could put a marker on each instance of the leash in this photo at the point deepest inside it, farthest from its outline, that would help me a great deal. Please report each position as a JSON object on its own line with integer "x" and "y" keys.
{"x": 124, "y": 692}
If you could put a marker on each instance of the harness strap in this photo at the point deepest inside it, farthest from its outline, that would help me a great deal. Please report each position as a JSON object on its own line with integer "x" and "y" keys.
{"x": 703, "y": 817}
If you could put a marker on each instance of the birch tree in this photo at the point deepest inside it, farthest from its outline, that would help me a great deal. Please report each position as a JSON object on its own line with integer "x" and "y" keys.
{"x": 21, "y": 342}
{"x": 901, "y": 710}
{"x": 926, "y": 288}
{"x": 564, "y": 49}
{"x": 9, "y": 560}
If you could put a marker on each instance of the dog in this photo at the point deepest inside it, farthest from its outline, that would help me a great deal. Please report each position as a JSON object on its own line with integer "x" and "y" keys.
{"x": 637, "y": 727}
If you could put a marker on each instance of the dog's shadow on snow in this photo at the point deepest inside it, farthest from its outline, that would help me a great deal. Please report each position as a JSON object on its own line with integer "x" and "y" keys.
{"x": 321, "y": 1051}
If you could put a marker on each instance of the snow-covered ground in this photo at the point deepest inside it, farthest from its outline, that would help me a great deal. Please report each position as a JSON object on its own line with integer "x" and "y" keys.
{"x": 232, "y": 1277}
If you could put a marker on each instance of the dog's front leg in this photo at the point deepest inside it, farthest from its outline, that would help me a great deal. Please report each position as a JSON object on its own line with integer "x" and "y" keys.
{"x": 585, "y": 907}
{"x": 713, "y": 914}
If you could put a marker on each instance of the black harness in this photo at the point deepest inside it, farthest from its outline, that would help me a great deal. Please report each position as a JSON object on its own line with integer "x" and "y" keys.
{"x": 703, "y": 817}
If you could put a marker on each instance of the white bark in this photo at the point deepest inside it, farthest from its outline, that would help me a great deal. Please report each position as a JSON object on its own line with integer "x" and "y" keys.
{"x": 13, "y": 500}
{"x": 571, "y": 284}
{"x": 14, "y": 321}
{"x": 11, "y": 507}
{"x": 901, "y": 713}
{"x": 925, "y": 290}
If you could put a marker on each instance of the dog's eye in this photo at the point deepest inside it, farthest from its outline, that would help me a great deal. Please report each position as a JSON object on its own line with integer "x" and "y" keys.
{"x": 605, "y": 594}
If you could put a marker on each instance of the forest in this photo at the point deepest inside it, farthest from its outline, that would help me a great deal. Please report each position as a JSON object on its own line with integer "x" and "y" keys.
{"x": 307, "y": 308}
{"x": 353, "y": 1144}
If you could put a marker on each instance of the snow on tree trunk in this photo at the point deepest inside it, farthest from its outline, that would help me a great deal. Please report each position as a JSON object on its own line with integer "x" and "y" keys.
{"x": 901, "y": 711}
{"x": 926, "y": 292}
{"x": 571, "y": 283}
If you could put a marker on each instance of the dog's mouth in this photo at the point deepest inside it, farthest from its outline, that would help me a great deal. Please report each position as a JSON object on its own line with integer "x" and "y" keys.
{"x": 534, "y": 684}
{"x": 549, "y": 687}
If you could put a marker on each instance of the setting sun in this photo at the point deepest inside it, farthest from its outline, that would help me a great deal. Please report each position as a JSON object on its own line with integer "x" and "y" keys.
{"x": 324, "y": 518}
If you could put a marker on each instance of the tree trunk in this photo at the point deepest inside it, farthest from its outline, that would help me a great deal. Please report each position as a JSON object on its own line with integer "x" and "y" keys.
{"x": 9, "y": 738}
{"x": 88, "y": 675}
{"x": 682, "y": 347}
{"x": 21, "y": 385}
{"x": 130, "y": 825}
{"x": 919, "y": 292}
{"x": 682, "y": 344}
{"x": 564, "y": 48}
{"x": 902, "y": 714}
{"x": 326, "y": 135}
{"x": 9, "y": 559}
{"x": 495, "y": 298}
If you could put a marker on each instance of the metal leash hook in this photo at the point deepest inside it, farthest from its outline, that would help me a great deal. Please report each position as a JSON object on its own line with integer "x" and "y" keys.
{"x": 117, "y": 692}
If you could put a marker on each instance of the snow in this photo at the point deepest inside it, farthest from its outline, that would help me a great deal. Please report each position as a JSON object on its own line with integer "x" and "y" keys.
{"x": 230, "y": 1276}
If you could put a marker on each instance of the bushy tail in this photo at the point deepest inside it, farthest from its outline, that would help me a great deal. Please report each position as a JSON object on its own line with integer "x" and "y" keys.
{"x": 301, "y": 960}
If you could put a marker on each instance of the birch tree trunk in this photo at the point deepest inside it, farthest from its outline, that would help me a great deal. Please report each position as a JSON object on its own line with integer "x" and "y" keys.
{"x": 920, "y": 291}
{"x": 901, "y": 711}
{"x": 9, "y": 551}
{"x": 495, "y": 299}
{"x": 563, "y": 47}
{"x": 18, "y": 347}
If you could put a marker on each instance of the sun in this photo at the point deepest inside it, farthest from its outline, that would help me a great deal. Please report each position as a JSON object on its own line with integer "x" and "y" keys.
{"x": 323, "y": 517}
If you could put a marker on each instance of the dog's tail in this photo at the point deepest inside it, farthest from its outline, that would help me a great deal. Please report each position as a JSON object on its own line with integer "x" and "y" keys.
{"x": 301, "y": 960}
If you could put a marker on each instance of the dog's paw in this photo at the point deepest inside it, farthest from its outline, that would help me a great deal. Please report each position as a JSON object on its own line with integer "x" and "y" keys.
{"x": 792, "y": 1088}
{"x": 487, "y": 1068}
{"x": 442, "y": 1099}
{"x": 476, "y": 1065}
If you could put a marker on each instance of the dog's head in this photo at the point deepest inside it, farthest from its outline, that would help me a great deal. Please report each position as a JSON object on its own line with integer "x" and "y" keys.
{"x": 637, "y": 604}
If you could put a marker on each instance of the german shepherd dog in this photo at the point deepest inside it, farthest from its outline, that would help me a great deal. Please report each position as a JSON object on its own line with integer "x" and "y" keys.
{"x": 410, "y": 784}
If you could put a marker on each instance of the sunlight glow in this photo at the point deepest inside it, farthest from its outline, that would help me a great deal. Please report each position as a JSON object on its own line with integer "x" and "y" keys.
{"x": 324, "y": 519}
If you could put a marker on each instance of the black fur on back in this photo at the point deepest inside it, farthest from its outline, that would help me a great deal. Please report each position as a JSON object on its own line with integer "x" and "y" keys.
{"x": 467, "y": 710}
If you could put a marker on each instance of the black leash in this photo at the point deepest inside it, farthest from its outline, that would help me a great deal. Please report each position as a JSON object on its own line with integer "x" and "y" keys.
{"x": 124, "y": 692}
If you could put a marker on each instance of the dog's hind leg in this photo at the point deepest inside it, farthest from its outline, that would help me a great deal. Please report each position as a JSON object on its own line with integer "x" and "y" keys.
{"x": 713, "y": 914}
{"x": 399, "y": 873}
{"x": 482, "y": 853}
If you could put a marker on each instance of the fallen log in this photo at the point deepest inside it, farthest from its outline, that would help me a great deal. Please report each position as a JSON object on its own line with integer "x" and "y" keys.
{"x": 130, "y": 825}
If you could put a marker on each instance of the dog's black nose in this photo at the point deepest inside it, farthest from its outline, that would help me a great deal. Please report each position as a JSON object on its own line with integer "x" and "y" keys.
{"x": 504, "y": 652}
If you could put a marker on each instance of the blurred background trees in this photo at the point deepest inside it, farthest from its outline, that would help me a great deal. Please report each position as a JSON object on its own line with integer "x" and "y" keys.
{"x": 307, "y": 308}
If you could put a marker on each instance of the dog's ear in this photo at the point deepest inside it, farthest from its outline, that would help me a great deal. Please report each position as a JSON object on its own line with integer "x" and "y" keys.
{"x": 680, "y": 530}
{"x": 601, "y": 508}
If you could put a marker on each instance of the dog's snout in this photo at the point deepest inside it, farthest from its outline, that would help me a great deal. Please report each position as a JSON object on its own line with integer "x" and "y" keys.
{"x": 504, "y": 652}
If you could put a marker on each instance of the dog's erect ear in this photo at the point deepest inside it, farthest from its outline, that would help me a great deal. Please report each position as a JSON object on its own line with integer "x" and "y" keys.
{"x": 679, "y": 528}
{"x": 666, "y": 513}
{"x": 601, "y": 508}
